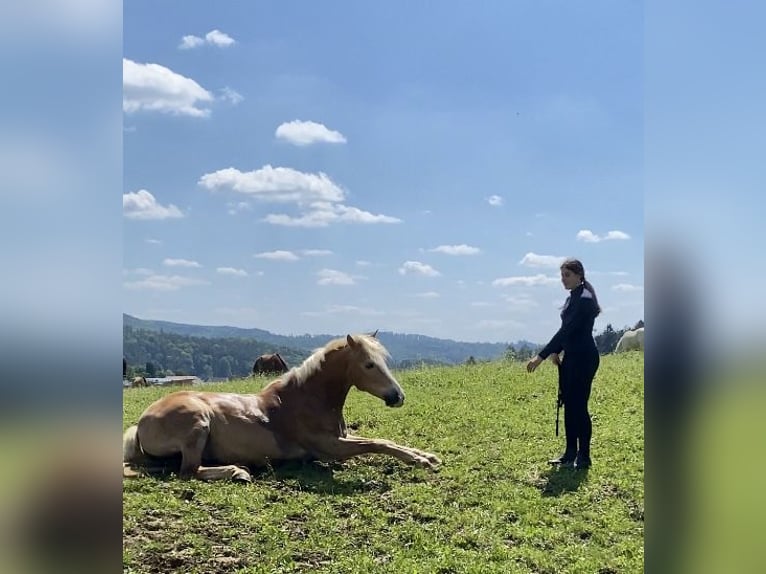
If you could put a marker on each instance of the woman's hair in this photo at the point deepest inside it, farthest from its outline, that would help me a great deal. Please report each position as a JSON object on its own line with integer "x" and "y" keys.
{"x": 575, "y": 266}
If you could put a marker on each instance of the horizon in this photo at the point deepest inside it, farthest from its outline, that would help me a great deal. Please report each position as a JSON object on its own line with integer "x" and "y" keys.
{"x": 428, "y": 185}
{"x": 488, "y": 342}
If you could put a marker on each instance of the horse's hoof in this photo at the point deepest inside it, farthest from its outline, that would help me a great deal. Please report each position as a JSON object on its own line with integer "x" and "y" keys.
{"x": 241, "y": 475}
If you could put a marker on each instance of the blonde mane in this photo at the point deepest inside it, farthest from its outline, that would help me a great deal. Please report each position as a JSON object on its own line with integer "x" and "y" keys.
{"x": 373, "y": 348}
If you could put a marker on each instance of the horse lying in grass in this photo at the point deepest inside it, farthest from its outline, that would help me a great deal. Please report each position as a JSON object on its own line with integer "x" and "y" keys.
{"x": 297, "y": 416}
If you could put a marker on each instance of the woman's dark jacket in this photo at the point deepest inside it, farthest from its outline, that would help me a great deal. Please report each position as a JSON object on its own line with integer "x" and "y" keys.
{"x": 576, "y": 333}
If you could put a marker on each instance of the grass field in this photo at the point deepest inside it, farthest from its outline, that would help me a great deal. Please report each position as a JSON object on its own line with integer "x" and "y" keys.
{"x": 495, "y": 505}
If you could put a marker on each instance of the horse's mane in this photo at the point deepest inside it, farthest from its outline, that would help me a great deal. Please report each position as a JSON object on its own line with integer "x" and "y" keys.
{"x": 372, "y": 347}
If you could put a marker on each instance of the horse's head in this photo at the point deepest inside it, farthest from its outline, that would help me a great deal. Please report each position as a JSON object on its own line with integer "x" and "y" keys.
{"x": 368, "y": 372}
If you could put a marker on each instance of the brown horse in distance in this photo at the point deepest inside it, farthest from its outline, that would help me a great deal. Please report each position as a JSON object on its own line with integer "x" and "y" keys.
{"x": 266, "y": 364}
{"x": 297, "y": 416}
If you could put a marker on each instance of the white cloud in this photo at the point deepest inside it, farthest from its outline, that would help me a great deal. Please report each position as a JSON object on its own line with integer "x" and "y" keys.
{"x": 461, "y": 249}
{"x": 480, "y": 304}
{"x": 180, "y": 263}
{"x": 316, "y": 252}
{"x": 363, "y": 263}
{"x": 189, "y": 42}
{"x": 427, "y": 295}
{"x": 278, "y": 255}
{"x": 275, "y": 184}
{"x": 526, "y": 281}
{"x": 231, "y": 96}
{"x": 495, "y": 200}
{"x": 154, "y": 241}
{"x": 232, "y": 271}
{"x": 316, "y": 195}
{"x": 142, "y": 204}
{"x": 627, "y": 287}
{"x": 324, "y": 214}
{"x": 589, "y": 237}
{"x": 535, "y": 260}
{"x": 302, "y": 133}
{"x": 152, "y": 87}
{"x": 163, "y": 283}
{"x": 220, "y": 39}
{"x": 212, "y": 38}
{"x": 418, "y": 268}
{"x": 334, "y": 277}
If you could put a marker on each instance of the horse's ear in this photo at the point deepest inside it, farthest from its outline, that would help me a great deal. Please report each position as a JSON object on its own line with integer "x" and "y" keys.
{"x": 375, "y": 334}
{"x": 350, "y": 341}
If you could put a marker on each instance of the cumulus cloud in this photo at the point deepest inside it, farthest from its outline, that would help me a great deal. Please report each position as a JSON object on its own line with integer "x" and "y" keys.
{"x": 334, "y": 277}
{"x": 213, "y": 38}
{"x": 526, "y": 281}
{"x": 302, "y": 133}
{"x": 142, "y": 204}
{"x": 281, "y": 184}
{"x": 317, "y": 196}
{"x": 535, "y": 260}
{"x": 627, "y": 287}
{"x": 155, "y": 88}
{"x": 278, "y": 255}
{"x": 495, "y": 200}
{"x": 231, "y": 271}
{"x": 418, "y": 268}
{"x": 180, "y": 263}
{"x": 315, "y": 252}
{"x": 461, "y": 249}
{"x": 323, "y": 214}
{"x": 589, "y": 237}
{"x": 163, "y": 283}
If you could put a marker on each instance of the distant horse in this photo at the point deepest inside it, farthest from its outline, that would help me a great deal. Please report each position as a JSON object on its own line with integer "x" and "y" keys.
{"x": 270, "y": 364}
{"x": 631, "y": 341}
{"x": 139, "y": 382}
{"x": 297, "y": 416}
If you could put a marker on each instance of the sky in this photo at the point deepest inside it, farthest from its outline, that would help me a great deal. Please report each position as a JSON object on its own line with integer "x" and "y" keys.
{"x": 340, "y": 167}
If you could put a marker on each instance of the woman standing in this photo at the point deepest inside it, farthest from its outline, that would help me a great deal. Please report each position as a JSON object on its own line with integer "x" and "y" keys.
{"x": 580, "y": 363}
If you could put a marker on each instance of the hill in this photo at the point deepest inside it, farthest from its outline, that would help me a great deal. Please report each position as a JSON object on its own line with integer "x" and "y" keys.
{"x": 405, "y": 349}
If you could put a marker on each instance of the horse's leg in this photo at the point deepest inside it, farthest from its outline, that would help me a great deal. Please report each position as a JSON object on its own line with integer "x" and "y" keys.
{"x": 427, "y": 455}
{"x": 191, "y": 451}
{"x": 341, "y": 448}
{"x": 225, "y": 472}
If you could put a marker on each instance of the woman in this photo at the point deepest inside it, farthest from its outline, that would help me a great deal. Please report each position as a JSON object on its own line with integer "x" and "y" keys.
{"x": 580, "y": 363}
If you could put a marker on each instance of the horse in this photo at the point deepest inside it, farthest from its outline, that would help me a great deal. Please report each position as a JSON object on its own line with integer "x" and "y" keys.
{"x": 297, "y": 416}
{"x": 139, "y": 382}
{"x": 631, "y": 341}
{"x": 270, "y": 364}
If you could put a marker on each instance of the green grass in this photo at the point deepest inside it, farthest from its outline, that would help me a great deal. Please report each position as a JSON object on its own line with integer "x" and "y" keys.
{"x": 495, "y": 505}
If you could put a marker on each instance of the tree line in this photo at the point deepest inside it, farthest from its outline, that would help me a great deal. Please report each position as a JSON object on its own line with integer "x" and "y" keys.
{"x": 158, "y": 354}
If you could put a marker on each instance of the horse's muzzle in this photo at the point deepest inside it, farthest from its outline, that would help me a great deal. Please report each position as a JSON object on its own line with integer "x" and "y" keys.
{"x": 394, "y": 399}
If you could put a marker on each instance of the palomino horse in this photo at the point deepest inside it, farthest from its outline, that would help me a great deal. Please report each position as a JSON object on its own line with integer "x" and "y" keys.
{"x": 139, "y": 382}
{"x": 270, "y": 364}
{"x": 298, "y": 416}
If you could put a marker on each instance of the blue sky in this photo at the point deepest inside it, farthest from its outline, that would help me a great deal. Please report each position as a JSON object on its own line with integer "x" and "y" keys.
{"x": 337, "y": 167}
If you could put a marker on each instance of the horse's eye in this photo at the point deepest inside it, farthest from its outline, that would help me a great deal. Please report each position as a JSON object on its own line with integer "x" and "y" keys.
{"x": 369, "y": 365}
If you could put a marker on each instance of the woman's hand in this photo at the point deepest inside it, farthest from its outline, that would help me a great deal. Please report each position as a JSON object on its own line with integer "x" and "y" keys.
{"x": 533, "y": 363}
